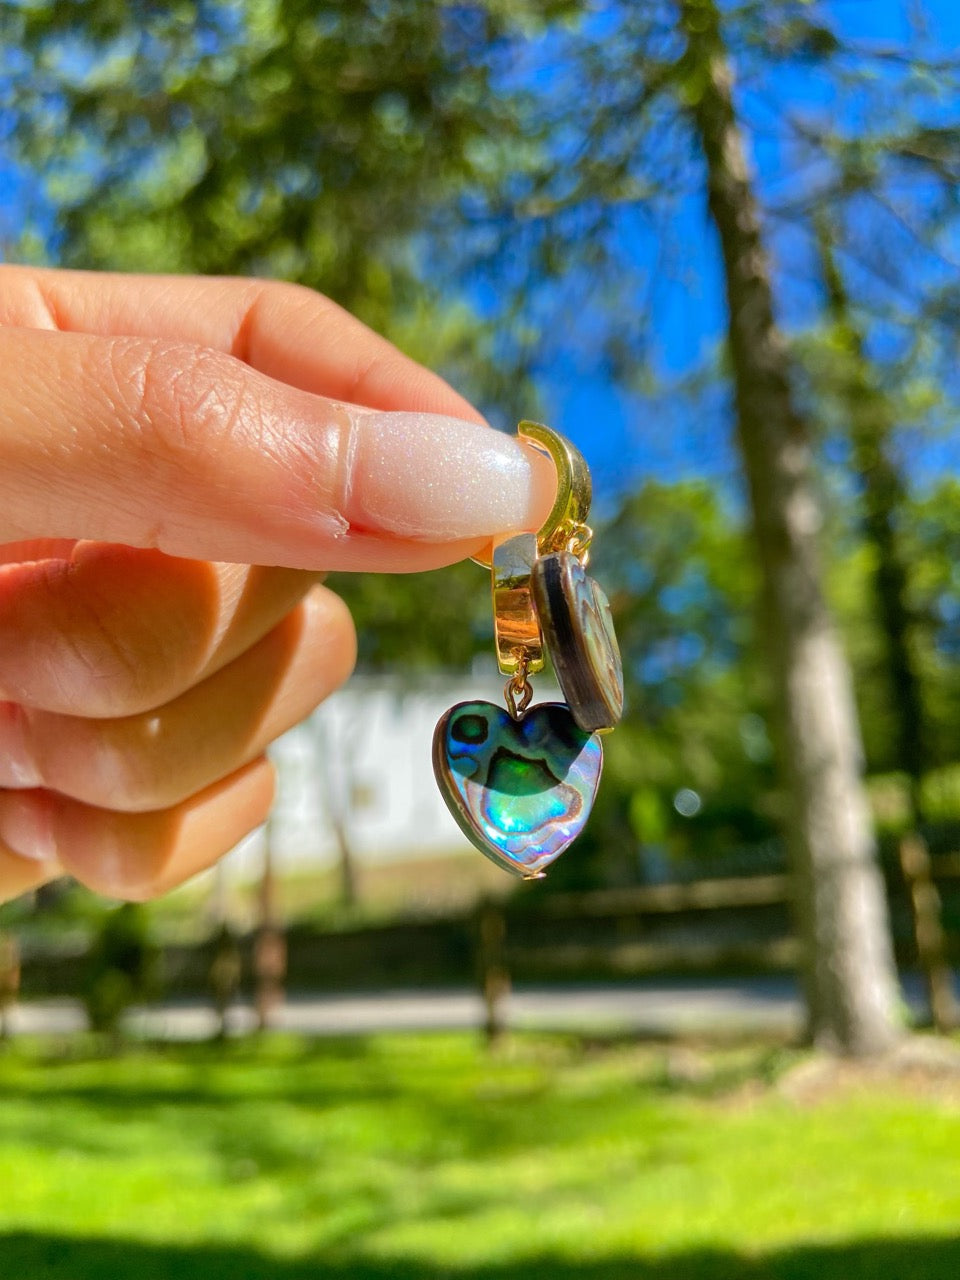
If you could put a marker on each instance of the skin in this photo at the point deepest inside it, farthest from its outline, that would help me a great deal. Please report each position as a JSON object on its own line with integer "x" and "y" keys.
{"x": 172, "y": 489}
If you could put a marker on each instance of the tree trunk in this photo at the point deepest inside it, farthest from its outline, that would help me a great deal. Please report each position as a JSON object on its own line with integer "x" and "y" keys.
{"x": 335, "y": 759}
{"x": 270, "y": 943}
{"x": 848, "y": 970}
{"x": 871, "y": 425}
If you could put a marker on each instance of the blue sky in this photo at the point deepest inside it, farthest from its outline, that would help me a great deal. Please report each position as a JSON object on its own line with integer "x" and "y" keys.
{"x": 625, "y": 437}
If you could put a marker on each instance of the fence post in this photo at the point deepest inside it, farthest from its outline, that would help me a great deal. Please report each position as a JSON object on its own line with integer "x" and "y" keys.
{"x": 225, "y": 974}
{"x": 494, "y": 975}
{"x": 928, "y": 930}
{"x": 269, "y": 944}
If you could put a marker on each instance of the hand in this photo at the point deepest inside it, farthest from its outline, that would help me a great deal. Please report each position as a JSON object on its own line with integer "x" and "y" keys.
{"x": 158, "y": 437}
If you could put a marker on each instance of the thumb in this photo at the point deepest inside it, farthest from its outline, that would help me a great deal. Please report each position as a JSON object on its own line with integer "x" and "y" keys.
{"x": 188, "y": 450}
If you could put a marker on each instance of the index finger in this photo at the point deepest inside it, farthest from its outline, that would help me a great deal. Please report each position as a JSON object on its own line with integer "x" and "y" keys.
{"x": 177, "y": 447}
{"x": 286, "y": 331}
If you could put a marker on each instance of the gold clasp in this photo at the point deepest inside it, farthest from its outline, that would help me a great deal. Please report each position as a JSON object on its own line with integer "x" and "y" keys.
{"x": 518, "y": 691}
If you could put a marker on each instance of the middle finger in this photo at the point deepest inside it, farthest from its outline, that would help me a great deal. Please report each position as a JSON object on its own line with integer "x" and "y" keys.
{"x": 106, "y": 630}
{"x": 157, "y": 758}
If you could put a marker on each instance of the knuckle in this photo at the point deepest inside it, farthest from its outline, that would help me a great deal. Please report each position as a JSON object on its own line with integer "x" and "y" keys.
{"x": 100, "y": 642}
{"x": 144, "y": 867}
{"x": 294, "y": 299}
{"x": 109, "y": 673}
{"x": 125, "y": 765}
{"x": 296, "y": 303}
{"x": 143, "y": 770}
{"x": 293, "y": 295}
{"x": 187, "y": 400}
{"x": 98, "y": 667}
{"x": 120, "y": 779}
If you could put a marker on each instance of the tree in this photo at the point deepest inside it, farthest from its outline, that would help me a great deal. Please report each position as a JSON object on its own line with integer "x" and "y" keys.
{"x": 871, "y": 425}
{"x": 848, "y": 966}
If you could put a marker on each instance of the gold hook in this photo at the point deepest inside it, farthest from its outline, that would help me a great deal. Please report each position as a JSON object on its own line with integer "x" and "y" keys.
{"x": 566, "y": 525}
{"x": 571, "y": 506}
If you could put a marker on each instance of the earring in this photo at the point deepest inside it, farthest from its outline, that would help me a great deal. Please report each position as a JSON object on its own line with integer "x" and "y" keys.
{"x": 521, "y": 782}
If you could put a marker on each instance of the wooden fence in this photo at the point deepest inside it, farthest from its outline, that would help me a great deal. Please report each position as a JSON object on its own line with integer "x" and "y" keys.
{"x": 736, "y": 925}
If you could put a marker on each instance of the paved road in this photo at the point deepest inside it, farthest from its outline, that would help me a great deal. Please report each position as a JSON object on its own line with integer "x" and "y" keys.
{"x": 663, "y": 1008}
{"x": 667, "y": 1008}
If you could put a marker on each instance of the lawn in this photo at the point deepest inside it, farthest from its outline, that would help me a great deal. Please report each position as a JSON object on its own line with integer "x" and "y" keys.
{"x": 420, "y": 1157}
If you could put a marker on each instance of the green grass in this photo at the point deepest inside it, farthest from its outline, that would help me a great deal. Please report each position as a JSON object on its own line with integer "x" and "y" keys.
{"x": 416, "y": 1158}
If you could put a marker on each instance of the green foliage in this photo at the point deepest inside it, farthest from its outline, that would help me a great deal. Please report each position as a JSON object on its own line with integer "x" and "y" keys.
{"x": 273, "y": 137}
{"x": 330, "y": 145}
{"x": 682, "y": 587}
{"x": 421, "y": 1157}
{"x": 419, "y": 624}
{"x": 278, "y": 134}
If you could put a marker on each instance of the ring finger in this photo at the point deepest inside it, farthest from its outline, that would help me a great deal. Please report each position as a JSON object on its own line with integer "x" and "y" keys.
{"x": 97, "y": 629}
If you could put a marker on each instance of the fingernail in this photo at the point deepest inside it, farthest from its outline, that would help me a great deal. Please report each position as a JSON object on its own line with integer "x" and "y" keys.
{"x": 429, "y": 477}
{"x": 26, "y": 825}
{"x": 18, "y": 769}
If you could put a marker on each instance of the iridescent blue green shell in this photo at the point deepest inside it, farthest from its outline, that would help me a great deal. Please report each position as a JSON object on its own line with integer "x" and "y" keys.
{"x": 520, "y": 790}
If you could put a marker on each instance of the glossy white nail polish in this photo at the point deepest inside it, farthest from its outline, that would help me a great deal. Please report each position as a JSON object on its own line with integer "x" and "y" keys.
{"x": 429, "y": 477}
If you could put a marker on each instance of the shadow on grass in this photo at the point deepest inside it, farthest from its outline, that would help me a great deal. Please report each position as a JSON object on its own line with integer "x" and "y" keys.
{"x": 23, "y": 1254}
{"x": 223, "y": 1095}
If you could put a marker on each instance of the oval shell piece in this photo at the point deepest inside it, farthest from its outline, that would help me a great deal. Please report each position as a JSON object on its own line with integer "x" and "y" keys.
{"x": 578, "y": 629}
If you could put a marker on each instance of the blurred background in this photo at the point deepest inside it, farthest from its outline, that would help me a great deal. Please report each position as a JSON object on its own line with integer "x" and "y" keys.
{"x": 716, "y": 244}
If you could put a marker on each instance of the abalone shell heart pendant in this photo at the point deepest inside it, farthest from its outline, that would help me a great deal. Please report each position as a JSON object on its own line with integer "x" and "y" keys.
{"x": 520, "y": 790}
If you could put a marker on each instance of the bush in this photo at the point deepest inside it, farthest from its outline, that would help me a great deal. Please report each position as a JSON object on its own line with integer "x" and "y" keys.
{"x": 121, "y": 968}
